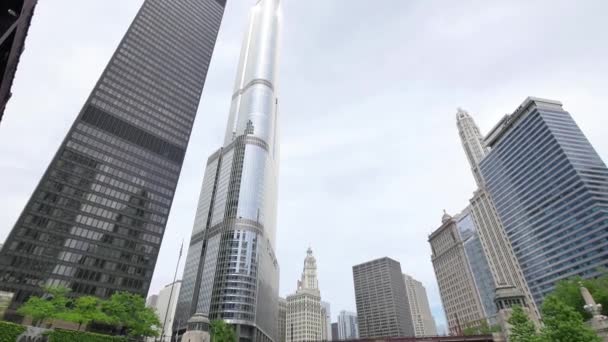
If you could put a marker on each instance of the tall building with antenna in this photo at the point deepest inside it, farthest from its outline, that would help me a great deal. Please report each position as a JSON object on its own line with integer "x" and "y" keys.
{"x": 231, "y": 270}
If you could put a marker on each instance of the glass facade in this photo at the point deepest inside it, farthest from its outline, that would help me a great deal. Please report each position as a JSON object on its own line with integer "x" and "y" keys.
{"x": 478, "y": 263}
{"x": 232, "y": 273}
{"x": 550, "y": 188}
{"x": 96, "y": 219}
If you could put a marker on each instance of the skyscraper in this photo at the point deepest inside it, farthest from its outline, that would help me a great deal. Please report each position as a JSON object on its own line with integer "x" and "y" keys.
{"x": 282, "y": 321}
{"x": 550, "y": 189}
{"x": 459, "y": 295}
{"x": 348, "y": 328}
{"x": 164, "y": 304}
{"x": 334, "y": 331}
{"x": 422, "y": 319}
{"x": 499, "y": 253}
{"x": 382, "y": 306}
{"x": 478, "y": 263}
{"x": 326, "y": 320}
{"x": 96, "y": 219}
{"x": 231, "y": 271}
{"x": 305, "y": 314}
{"x": 15, "y": 18}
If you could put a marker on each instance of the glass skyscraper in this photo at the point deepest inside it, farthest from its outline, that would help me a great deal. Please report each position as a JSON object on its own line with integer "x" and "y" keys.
{"x": 478, "y": 263}
{"x": 550, "y": 189}
{"x": 96, "y": 219}
{"x": 231, "y": 270}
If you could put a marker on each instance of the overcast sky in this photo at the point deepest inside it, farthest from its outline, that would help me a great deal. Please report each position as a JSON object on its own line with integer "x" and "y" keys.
{"x": 368, "y": 94}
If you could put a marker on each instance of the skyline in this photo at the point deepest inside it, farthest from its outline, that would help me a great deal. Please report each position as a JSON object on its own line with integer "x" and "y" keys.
{"x": 324, "y": 158}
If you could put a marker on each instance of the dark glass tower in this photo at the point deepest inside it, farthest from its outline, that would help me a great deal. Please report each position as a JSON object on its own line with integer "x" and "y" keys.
{"x": 15, "y": 18}
{"x": 96, "y": 219}
{"x": 550, "y": 188}
{"x": 231, "y": 271}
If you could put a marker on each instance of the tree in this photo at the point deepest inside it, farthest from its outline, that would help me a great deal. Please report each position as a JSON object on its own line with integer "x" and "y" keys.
{"x": 522, "y": 328}
{"x": 85, "y": 310}
{"x": 129, "y": 311}
{"x": 38, "y": 309}
{"x": 564, "y": 324}
{"x": 53, "y": 304}
{"x": 222, "y": 332}
{"x": 569, "y": 292}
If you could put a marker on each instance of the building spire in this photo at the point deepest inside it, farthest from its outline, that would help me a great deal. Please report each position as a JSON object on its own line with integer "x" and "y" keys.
{"x": 472, "y": 142}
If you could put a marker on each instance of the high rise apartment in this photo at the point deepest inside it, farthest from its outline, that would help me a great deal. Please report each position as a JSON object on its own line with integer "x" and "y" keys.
{"x": 499, "y": 253}
{"x": 96, "y": 220}
{"x": 459, "y": 295}
{"x": 15, "y": 18}
{"x": 422, "y": 319}
{"x": 550, "y": 190}
{"x": 305, "y": 314}
{"x": 348, "y": 328}
{"x": 382, "y": 305}
{"x": 231, "y": 270}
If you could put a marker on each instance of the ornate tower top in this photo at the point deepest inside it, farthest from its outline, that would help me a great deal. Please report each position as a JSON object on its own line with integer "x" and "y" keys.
{"x": 309, "y": 274}
{"x": 472, "y": 141}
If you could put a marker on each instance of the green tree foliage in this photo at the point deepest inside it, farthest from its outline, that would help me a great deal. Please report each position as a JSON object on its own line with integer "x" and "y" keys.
{"x": 85, "y": 310}
{"x": 522, "y": 328}
{"x": 222, "y": 332}
{"x": 10, "y": 331}
{"x": 569, "y": 292}
{"x": 564, "y": 324}
{"x": 126, "y": 311}
{"x": 129, "y": 311}
{"x": 53, "y": 304}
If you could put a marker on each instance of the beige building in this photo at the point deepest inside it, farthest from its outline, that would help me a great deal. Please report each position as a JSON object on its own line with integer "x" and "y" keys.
{"x": 459, "y": 295}
{"x": 305, "y": 318}
{"x": 504, "y": 267}
{"x": 422, "y": 319}
{"x": 282, "y": 319}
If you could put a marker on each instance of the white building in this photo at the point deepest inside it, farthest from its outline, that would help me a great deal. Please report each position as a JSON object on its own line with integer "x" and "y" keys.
{"x": 160, "y": 303}
{"x": 422, "y": 319}
{"x": 282, "y": 319}
{"x": 326, "y": 317}
{"x": 304, "y": 311}
{"x": 348, "y": 328}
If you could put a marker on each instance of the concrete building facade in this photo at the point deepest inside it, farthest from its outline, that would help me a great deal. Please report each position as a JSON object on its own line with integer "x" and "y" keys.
{"x": 305, "y": 317}
{"x": 282, "y": 321}
{"x": 459, "y": 295}
{"x": 422, "y": 319}
{"x": 164, "y": 304}
{"x": 382, "y": 305}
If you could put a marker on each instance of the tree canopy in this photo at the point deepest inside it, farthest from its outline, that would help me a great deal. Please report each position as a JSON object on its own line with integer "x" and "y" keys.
{"x": 522, "y": 328}
{"x": 564, "y": 324}
{"x": 222, "y": 332}
{"x": 124, "y": 310}
{"x": 569, "y": 292}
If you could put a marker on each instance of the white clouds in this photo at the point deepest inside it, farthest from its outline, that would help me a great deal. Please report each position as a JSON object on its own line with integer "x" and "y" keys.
{"x": 368, "y": 91}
